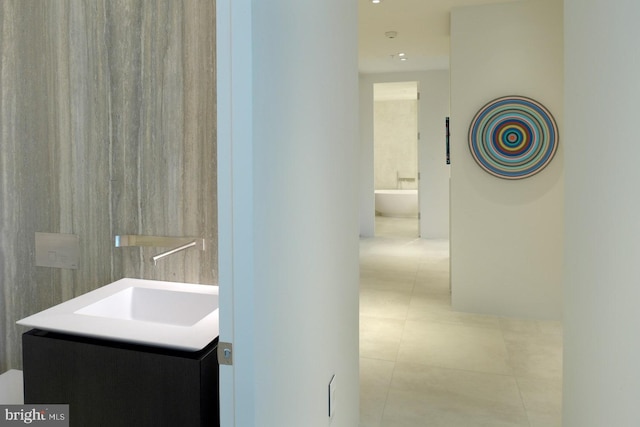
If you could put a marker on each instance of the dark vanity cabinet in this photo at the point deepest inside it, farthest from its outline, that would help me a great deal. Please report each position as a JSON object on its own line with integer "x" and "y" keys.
{"x": 111, "y": 384}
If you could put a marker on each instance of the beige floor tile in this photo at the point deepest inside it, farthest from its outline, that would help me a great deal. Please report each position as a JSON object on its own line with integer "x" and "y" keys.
{"x": 437, "y": 263}
{"x": 544, "y": 420}
{"x": 396, "y": 227}
{"x": 424, "y": 364}
{"x": 551, "y": 328}
{"x": 427, "y": 396}
{"x": 380, "y": 338}
{"x": 385, "y": 284}
{"x": 454, "y": 346}
{"x": 375, "y": 378}
{"x": 384, "y": 304}
{"x": 542, "y": 401}
{"x": 381, "y": 263}
{"x": 395, "y": 249}
{"x": 437, "y": 308}
{"x": 534, "y": 355}
{"x": 386, "y": 281}
{"x": 519, "y": 325}
{"x": 437, "y": 283}
{"x": 386, "y": 264}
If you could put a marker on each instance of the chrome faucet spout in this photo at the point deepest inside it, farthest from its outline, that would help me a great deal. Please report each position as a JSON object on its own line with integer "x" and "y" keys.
{"x": 161, "y": 255}
{"x": 161, "y": 242}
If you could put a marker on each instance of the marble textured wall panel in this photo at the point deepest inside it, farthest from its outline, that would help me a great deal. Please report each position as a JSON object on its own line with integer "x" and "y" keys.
{"x": 107, "y": 126}
{"x": 396, "y": 143}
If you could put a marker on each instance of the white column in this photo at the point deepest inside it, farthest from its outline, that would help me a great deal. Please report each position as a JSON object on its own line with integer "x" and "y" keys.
{"x": 288, "y": 187}
{"x": 602, "y": 232}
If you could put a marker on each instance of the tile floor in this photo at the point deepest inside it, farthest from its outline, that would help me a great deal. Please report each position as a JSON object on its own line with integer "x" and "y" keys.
{"x": 11, "y": 388}
{"x": 423, "y": 364}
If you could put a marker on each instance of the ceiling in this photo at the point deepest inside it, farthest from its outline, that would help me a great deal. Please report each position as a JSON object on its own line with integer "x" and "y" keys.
{"x": 423, "y": 34}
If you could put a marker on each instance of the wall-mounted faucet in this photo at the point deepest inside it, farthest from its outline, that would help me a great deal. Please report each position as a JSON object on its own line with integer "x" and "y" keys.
{"x": 400, "y": 180}
{"x": 161, "y": 242}
{"x": 155, "y": 258}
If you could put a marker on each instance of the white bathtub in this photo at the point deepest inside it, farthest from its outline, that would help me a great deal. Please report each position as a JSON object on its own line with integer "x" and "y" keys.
{"x": 397, "y": 203}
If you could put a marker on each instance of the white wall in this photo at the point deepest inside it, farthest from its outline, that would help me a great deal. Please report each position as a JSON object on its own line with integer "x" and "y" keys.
{"x": 506, "y": 236}
{"x": 434, "y": 172}
{"x": 288, "y": 204}
{"x": 602, "y": 346}
{"x": 433, "y": 107}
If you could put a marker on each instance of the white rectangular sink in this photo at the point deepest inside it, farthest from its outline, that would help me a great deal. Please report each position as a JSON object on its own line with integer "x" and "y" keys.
{"x": 153, "y": 305}
{"x": 181, "y": 316}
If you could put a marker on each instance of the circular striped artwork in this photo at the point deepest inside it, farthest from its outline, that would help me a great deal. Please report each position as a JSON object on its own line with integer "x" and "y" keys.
{"x": 513, "y": 137}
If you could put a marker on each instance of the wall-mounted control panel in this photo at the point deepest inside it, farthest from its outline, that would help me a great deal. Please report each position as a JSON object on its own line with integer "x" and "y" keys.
{"x": 57, "y": 250}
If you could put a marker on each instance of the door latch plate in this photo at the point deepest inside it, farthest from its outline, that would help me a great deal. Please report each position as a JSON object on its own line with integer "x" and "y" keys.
{"x": 225, "y": 353}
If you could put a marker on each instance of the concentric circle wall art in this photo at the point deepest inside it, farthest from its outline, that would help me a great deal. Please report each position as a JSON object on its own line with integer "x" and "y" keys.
{"x": 513, "y": 137}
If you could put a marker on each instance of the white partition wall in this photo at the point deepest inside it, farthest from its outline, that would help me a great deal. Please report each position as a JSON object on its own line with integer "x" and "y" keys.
{"x": 288, "y": 161}
{"x": 506, "y": 236}
{"x": 602, "y": 290}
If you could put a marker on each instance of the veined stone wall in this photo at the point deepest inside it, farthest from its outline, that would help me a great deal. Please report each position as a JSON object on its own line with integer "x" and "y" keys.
{"x": 107, "y": 126}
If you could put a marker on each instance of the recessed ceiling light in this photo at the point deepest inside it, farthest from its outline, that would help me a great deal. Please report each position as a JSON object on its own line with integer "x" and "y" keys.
{"x": 401, "y": 56}
{"x": 375, "y": 1}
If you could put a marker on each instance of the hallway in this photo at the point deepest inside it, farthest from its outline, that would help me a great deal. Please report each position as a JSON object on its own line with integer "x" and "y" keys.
{"x": 423, "y": 364}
